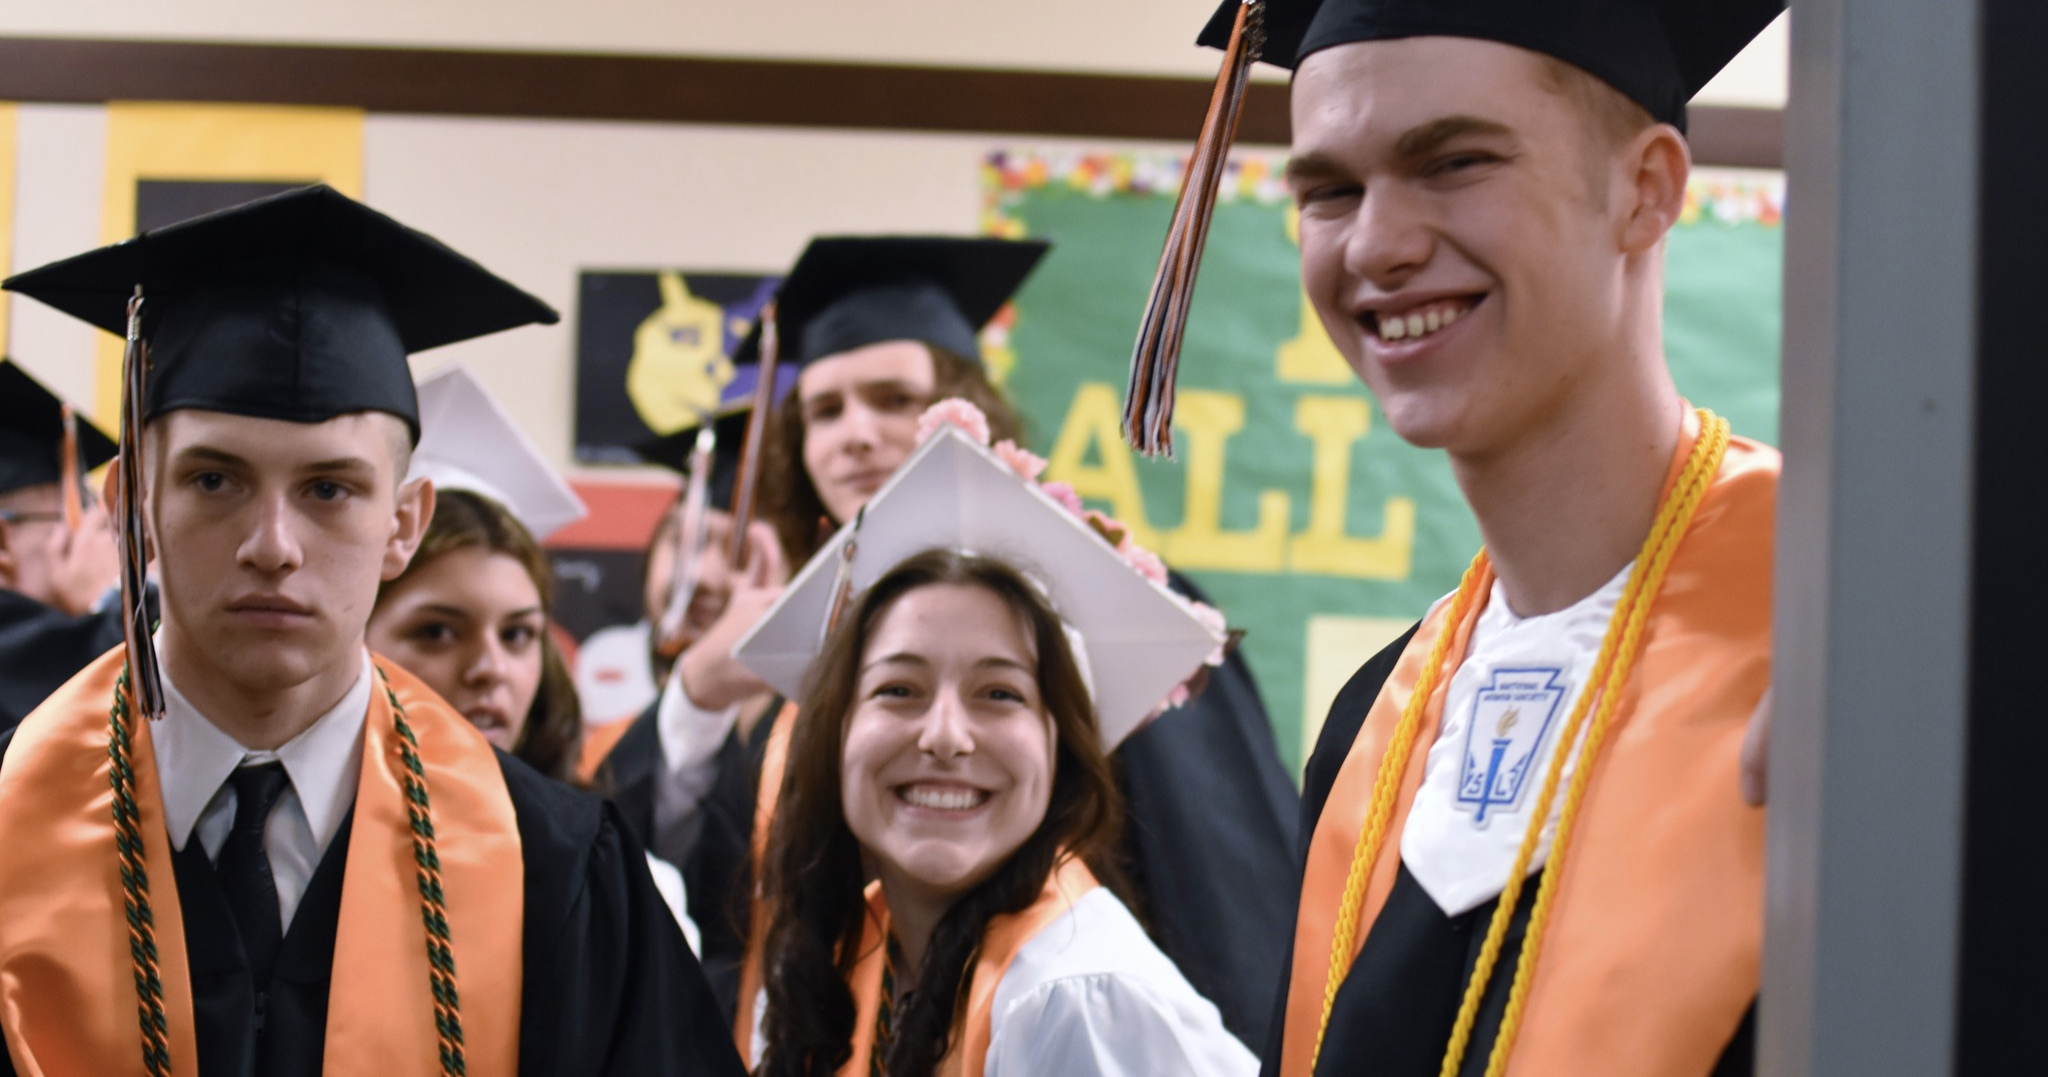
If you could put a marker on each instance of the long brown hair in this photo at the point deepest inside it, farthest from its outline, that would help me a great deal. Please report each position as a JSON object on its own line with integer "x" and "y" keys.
{"x": 464, "y": 520}
{"x": 789, "y": 500}
{"x": 812, "y": 880}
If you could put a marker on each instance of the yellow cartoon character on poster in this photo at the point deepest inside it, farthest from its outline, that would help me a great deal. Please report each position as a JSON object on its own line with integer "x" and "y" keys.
{"x": 679, "y": 365}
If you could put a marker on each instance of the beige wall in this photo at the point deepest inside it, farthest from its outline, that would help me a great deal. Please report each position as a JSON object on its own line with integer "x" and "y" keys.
{"x": 1135, "y": 36}
{"x": 537, "y": 201}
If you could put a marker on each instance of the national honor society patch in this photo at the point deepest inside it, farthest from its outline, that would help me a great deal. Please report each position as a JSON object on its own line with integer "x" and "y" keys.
{"x": 1511, "y": 716}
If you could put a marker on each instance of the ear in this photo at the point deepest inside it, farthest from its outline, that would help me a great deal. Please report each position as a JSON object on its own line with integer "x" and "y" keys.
{"x": 10, "y": 565}
{"x": 414, "y": 510}
{"x": 1658, "y": 163}
{"x": 110, "y": 496}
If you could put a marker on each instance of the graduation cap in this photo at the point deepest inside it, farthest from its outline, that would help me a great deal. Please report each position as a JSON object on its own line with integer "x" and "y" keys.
{"x": 468, "y": 442}
{"x": 848, "y": 292}
{"x": 32, "y": 434}
{"x": 1658, "y": 53}
{"x": 301, "y": 306}
{"x": 1137, "y": 639}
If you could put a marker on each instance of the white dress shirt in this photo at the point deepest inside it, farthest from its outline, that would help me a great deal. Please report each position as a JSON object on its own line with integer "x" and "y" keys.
{"x": 1525, "y": 674}
{"x": 194, "y": 760}
{"x": 690, "y": 738}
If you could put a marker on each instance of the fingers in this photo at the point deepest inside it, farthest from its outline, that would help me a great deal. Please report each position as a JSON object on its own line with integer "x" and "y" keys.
{"x": 765, "y": 566}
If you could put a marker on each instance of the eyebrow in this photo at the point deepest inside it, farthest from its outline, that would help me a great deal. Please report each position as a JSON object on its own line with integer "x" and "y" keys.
{"x": 906, "y": 658}
{"x": 865, "y": 387}
{"x": 1310, "y": 167}
{"x": 210, "y": 454}
{"x": 1424, "y": 139}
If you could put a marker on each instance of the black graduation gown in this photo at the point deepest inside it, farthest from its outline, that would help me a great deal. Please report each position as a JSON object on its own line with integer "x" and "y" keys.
{"x": 717, "y": 867}
{"x": 610, "y": 985}
{"x": 1394, "y": 1013}
{"x": 41, "y": 648}
{"x": 1209, "y": 839}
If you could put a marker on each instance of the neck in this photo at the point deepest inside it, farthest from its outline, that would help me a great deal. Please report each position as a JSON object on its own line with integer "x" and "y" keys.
{"x": 914, "y": 913}
{"x": 1567, "y": 504}
{"x": 258, "y": 717}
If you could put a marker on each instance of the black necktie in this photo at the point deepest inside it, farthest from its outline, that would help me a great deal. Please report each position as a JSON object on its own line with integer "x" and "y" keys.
{"x": 243, "y": 868}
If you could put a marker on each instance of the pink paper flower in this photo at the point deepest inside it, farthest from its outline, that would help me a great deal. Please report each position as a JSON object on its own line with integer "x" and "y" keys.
{"x": 1065, "y": 495}
{"x": 957, "y": 412}
{"x": 1145, "y": 561}
{"x": 1021, "y": 460}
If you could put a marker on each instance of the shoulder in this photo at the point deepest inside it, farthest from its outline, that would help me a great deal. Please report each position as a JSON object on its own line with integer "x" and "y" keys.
{"x": 1091, "y": 994}
{"x": 1097, "y": 945}
{"x": 569, "y": 841}
{"x": 1346, "y": 718}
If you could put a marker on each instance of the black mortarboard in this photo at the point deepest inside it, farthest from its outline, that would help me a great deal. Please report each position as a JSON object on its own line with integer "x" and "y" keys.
{"x": 848, "y": 292}
{"x": 301, "y": 306}
{"x": 1656, "y": 52}
{"x": 729, "y": 424}
{"x": 32, "y": 433}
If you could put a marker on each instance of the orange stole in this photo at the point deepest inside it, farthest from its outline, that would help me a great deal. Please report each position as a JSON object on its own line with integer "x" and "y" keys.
{"x": 774, "y": 759}
{"x": 67, "y": 994}
{"x": 1655, "y": 939}
{"x": 1006, "y": 934}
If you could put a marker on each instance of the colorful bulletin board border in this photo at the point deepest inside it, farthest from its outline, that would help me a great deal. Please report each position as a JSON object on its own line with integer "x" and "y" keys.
{"x": 228, "y": 144}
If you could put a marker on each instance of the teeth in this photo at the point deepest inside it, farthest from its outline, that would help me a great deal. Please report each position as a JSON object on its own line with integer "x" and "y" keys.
{"x": 948, "y": 799}
{"x": 1421, "y": 322}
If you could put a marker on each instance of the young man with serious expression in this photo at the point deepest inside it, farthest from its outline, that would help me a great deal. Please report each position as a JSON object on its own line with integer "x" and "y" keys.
{"x": 1527, "y": 849}
{"x": 310, "y": 863}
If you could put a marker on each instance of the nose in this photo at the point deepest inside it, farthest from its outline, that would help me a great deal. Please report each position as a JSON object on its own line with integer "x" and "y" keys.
{"x": 487, "y": 663}
{"x": 1388, "y": 242}
{"x": 272, "y": 546}
{"x": 946, "y": 734}
{"x": 860, "y": 428}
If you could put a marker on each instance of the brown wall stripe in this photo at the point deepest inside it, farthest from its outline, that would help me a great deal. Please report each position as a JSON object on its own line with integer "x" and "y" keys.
{"x": 690, "y": 90}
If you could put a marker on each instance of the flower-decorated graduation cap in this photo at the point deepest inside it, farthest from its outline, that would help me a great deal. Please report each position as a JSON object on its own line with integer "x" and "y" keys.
{"x": 468, "y": 442}
{"x": 848, "y": 292}
{"x": 32, "y": 435}
{"x": 1137, "y": 640}
{"x": 299, "y": 307}
{"x": 1658, "y": 53}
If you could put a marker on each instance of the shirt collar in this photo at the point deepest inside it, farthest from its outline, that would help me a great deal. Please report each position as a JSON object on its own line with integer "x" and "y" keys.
{"x": 194, "y": 758}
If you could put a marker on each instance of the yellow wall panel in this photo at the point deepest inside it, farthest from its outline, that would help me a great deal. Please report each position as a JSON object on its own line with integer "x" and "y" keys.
{"x": 248, "y": 143}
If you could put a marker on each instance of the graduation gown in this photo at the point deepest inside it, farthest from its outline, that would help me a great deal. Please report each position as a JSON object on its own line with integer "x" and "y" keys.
{"x": 1209, "y": 838}
{"x": 718, "y": 868}
{"x": 1653, "y": 948}
{"x": 608, "y": 987}
{"x": 41, "y": 647}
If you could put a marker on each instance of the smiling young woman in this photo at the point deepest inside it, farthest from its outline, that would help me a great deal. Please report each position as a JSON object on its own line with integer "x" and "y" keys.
{"x": 950, "y": 749}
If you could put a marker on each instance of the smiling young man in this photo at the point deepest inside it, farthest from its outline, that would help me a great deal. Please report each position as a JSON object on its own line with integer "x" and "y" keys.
{"x": 310, "y": 863}
{"x": 1526, "y": 847}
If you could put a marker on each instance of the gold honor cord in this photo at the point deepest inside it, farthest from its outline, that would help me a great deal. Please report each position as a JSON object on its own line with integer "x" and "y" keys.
{"x": 1611, "y": 669}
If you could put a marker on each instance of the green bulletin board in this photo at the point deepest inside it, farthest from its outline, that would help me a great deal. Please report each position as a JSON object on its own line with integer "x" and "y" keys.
{"x": 1306, "y": 519}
